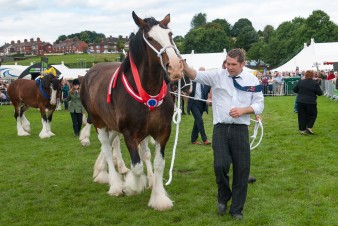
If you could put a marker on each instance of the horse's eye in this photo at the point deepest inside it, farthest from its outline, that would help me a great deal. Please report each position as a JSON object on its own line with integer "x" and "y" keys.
{"x": 150, "y": 38}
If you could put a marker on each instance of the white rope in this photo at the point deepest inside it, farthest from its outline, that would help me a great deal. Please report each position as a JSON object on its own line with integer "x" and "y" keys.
{"x": 176, "y": 119}
{"x": 258, "y": 124}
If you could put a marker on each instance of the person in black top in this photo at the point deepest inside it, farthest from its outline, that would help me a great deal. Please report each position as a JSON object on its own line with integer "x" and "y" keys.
{"x": 308, "y": 90}
{"x": 197, "y": 106}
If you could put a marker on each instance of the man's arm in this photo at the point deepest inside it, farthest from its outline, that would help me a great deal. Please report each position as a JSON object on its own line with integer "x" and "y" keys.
{"x": 188, "y": 71}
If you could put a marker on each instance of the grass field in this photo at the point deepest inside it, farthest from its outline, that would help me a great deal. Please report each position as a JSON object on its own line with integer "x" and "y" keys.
{"x": 49, "y": 182}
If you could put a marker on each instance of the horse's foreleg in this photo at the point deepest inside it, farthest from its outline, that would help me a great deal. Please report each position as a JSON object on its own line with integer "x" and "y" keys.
{"x": 159, "y": 199}
{"x": 145, "y": 155}
{"x": 117, "y": 156}
{"x": 85, "y": 134}
{"x": 49, "y": 123}
{"x": 135, "y": 180}
{"x": 44, "y": 132}
{"x": 115, "y": 180}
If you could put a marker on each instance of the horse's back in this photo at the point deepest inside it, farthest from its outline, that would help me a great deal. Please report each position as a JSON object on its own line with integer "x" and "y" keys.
{"x": 94, "y": 87}
{"x": 20, "y": 89}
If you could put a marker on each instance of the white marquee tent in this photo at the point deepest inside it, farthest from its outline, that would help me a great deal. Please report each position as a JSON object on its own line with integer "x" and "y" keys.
{"x": 14, "y": 71}
{"x": 207, "y": 60}
{"x": 316, "y": 54}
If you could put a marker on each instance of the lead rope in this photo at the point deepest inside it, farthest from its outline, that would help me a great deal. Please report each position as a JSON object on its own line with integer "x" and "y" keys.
{"x": 258, "y": 124}
{"x": 176, "y": 119}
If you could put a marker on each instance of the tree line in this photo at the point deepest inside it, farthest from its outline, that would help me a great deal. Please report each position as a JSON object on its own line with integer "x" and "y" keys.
{"x": 271, "y": 46}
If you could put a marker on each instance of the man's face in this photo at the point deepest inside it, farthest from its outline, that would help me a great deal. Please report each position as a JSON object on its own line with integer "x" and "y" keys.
{"x": 234, "y": 67}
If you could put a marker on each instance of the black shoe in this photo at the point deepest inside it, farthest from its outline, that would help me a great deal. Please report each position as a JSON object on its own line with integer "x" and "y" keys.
{"x": 222, "y": 208}
{"x": 251, "y": 179}
{"x": 237, "y": 216}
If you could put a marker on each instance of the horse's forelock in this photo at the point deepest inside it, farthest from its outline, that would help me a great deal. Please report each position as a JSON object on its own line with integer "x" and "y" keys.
{"x": 56, "y": 83}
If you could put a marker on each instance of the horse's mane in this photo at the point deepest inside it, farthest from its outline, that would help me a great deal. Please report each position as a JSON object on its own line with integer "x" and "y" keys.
{"x": 47, "y": 79}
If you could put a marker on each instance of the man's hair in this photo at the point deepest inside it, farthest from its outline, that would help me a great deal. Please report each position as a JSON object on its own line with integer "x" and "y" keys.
{"x": 237, "y": 53}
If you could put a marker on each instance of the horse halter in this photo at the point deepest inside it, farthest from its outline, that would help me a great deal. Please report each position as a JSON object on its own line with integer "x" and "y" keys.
{"x": 162, "y": 50}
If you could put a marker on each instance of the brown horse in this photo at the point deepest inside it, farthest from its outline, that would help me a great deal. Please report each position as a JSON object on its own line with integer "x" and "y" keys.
{"x": 136, "y": 103}
{"x": 42, "y": 94}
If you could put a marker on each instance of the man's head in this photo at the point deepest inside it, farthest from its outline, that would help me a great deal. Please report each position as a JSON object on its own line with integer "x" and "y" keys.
{"x": 235, "y": 61}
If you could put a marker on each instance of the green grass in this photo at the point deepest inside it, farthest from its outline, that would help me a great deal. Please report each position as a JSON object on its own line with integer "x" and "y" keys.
{"x": 49, "y": 182}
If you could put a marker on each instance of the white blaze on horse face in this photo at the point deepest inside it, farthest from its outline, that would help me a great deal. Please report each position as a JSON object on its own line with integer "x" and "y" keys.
{"x": 161, "y": 35}
{"x": 53, "y": 97}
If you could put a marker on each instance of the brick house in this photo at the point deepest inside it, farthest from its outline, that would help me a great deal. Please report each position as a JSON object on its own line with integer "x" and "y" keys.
{"x": 26, "y": 47}
{"x": 109, "y": 45}
{"x": 70, "y": 46}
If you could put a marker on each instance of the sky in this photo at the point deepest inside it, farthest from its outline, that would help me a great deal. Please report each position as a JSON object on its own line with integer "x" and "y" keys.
{"x": 48, "y": 19}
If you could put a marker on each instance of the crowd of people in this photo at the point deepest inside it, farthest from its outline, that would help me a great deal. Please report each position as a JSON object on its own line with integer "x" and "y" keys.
{"x": 274, "y": 83}
{"x": 4, "y": 99}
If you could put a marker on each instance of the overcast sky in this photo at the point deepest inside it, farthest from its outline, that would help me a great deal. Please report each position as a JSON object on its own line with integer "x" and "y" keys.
{"x": 48, "y": 19}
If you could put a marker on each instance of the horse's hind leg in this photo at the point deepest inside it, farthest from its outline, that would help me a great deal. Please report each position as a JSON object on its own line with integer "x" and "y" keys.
{"x": 117, "y": 156}
{"x": 145, "y": 155}
{"x": 85, "y": 133}
{"x": 20, "y": 120}
{"x": 115, "y": 180}
{"x": 100, "y": 173}
{"x": 159, "y": 199}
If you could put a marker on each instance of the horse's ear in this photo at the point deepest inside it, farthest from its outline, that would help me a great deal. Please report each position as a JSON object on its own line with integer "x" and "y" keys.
{"x": 166, "y": 20}
{"x": 138, "y": 21}
{"x": 61, "y": 79}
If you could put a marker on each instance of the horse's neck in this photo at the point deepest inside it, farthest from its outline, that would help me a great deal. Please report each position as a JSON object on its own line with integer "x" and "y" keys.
{"x": 151, "y": 77}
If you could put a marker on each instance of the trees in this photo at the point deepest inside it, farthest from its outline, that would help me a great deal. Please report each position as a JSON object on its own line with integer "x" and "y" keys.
{"x": 208, "y": 38}
{"x": 198, "y": 20}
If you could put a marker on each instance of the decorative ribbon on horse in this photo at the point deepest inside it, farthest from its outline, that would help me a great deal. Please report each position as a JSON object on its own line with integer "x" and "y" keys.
{"x": 143, "y": 97}
{"x": 254, "y": 89}
{"x": 38, "y": 81}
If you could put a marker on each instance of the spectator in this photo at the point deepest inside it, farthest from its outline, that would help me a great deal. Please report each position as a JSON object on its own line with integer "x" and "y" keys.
{"x": 75, "y": 107}
{"x": 65, "y": 90}
{"x": 197, "y": 106}
{"x": 2, "y": 96}
{"x": 330, "y": 76}
{"x": 307, "y": 90}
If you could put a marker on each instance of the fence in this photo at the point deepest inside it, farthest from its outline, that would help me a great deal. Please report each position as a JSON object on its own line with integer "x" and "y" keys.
{"x": 330, "y": 89}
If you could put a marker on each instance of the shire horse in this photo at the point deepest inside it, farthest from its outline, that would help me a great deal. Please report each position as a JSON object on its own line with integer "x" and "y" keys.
{"x": 132, "y": 99}
{"x": 41, "y": 93}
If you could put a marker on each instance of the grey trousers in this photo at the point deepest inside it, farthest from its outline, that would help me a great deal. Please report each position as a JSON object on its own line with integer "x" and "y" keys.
{"x": 230, "y": 144}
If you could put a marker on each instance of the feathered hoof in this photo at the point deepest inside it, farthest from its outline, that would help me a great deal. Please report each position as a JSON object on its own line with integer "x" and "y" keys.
{"x": 134, "y": 185}
{"x": 161, "y": 203}
{"x": 51, "y": 134}
{"x": 115, "y": 190}
{"x": 44, "y": 135}
{"x": 23, "y": 133}
{"x": 102, "y": 178}
{"x": 85, "y": 142}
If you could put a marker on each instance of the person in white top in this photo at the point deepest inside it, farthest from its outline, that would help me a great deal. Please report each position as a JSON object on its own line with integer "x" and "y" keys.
{"x": 236, "y": 94}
